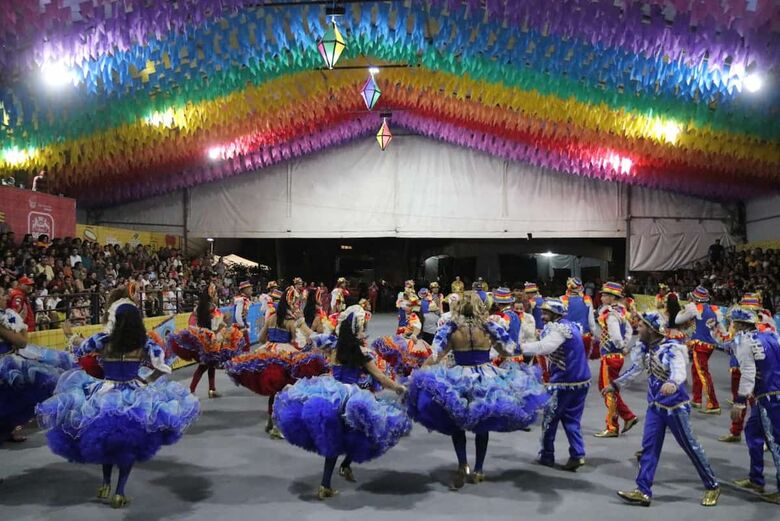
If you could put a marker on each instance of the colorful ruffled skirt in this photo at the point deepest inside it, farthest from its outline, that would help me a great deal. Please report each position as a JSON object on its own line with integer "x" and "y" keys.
{"x": 273, "y": 366}
{"x": 478, "y": 398}
{"x": 28, "y": 377}
{"x": 120, "y": 423}
{"x": 205, "y": 347}
{"x": 402, "y": 355}
{"x": 325, "y": 416}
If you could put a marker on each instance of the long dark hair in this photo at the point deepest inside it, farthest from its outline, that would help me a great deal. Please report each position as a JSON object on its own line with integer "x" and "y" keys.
{"x": 203, "y": 310}
{"x": 348, "y": 350}
{"x": 281, "y": 311}
{"x": 310, "y": 309}
{"x": 672, "y": 308}
{"x": 129, "y": 332}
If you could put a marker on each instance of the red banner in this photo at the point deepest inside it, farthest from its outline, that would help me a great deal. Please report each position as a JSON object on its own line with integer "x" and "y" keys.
{"x": 37, "y": 213}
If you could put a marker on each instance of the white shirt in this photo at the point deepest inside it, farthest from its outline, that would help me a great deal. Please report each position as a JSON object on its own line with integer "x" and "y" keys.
{"x": 749, "y": 349}
{"x": 552, "y": 339}
{"x": 74, "y": 259}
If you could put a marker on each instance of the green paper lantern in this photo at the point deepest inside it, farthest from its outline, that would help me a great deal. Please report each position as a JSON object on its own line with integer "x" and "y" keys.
{"x": 384, "y": 136}
{"x": 331, "y": 46}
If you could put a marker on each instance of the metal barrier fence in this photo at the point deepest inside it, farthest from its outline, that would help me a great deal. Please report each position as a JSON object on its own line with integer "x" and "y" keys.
{"x": 83, "y": 309}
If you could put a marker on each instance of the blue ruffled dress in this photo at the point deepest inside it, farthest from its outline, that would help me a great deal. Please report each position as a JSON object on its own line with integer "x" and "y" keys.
{"x": 119, "y": 420}
{"x": 474, "y": 395}
{"x": 331, "y": 415}
{"x": 27, "y": 376}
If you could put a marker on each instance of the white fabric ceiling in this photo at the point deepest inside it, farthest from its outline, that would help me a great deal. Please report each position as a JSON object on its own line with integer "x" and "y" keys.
{"x": 423, "y": 188}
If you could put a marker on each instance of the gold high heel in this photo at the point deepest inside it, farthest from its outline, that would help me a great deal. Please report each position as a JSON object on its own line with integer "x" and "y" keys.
{"x": 275, "y": 433}
{"x": 325, "y": 493}
{"x": 118, "y": 501}
{"x": 460, "y": 477}
{"x": 104, "y": 491}
{"x": 214, "y": 394}
{"x": 346, "y": 473}
{"x": 476, "y": 478}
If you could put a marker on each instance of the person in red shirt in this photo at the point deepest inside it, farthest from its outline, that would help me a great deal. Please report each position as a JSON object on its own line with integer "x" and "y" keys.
{"x": 19, "y": 301}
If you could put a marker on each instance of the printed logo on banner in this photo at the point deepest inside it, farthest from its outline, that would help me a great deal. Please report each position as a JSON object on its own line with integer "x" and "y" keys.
{"x": 34, "y": 204}
{"x": 40, "y": 224}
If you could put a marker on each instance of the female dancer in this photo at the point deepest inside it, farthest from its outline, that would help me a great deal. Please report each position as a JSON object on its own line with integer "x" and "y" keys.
{"x": 210, "y": 342}
{"x": 313, "y": 314}
{"x": 28, "y": 375}
{"x": 332, "y": 416}
{"x": 277, "y": 362}
{"x": 121, "y": 420}
{"x": 474, "y": 395}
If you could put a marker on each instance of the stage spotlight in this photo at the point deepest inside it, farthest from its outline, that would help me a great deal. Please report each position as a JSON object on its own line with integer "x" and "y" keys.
{"x": 56, "y": 75}
{"x": 753, "y": 82}
{"x": 215, "y": 153}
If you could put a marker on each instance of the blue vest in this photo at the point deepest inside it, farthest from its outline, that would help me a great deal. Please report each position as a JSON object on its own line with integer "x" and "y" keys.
{"x": 568, "y": 364}
{"x": 403, "y": 319}
{"x": 514, "y": 326}
{"x": 702, "y": 333}
{"x": 767, "y": 369}
{"x": 578, "y": 312}
{"x": 537, "y": 313}
{"x": 658, "y": 363}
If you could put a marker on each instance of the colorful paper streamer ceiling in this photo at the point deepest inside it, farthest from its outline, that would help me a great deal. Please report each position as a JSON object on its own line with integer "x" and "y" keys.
{"x": 163, "y": 95}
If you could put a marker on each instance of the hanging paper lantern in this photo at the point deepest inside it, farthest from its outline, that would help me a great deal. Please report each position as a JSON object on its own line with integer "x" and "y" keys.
{"x": 331, "y": 46}
{"x": 370, "y": 92}
{"x": 384, "y": 136}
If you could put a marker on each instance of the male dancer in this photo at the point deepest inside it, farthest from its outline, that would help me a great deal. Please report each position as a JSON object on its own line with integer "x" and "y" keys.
{"x": 241, "y": 309}
{"x": 569, "y": 381}
{"x": 338, "y": 297}
{"x": 701, "y": 345}
{"x": 750, "y": 302}
{"x": 295, "y": 300}
{"x": 579, "y": 309}
{"x": 667, "y": 406}
{"x": 758, "y": 354}
{"x": 615, "y": 334}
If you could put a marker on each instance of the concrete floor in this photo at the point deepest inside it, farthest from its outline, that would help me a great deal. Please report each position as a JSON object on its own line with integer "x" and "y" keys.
{"x": 226, "y": 468}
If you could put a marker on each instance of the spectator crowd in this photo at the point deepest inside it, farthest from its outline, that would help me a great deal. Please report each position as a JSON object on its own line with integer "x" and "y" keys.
{"x": 70, "y": 278}
{"x": 727, "y": 274}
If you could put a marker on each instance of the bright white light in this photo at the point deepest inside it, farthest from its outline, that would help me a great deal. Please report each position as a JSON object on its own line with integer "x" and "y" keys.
{"x": 209, "y": 240}
{"x": 215, "y": 153}
{"x": 373, "y": 70}
{"x": 56, "y": 75}
{"x": 753, "y": 82}
{"x": 18, "y": 156}
{"x": 549, "y": 254}
{"x": 161, "y": 119}
{"x": 625, "y": 165}
{"x": 666, "y": 130}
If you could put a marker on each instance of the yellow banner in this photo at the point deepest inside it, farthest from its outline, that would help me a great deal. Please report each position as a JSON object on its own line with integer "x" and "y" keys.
{"x": 55, "y": 338}
{"x": 122, "y": 236}
{"x": 764, "y": 245}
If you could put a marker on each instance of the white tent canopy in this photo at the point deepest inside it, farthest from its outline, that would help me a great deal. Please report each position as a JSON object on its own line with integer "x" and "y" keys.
{"x": 420, "y": 187}
{"x": 235, "y": 260}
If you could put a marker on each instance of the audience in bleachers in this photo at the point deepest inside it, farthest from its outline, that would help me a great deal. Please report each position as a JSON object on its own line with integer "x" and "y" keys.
{"x": 73, "y": 276}
{"x": 728, "y": 274}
